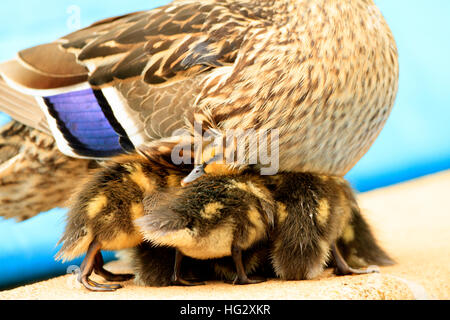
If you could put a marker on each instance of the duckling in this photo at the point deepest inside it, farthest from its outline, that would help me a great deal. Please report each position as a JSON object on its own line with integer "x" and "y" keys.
{"x": 103, "y": 211}
{"x": 316, "y": 217}
{"x": 323, "y": 73}
{"x": 213, "y": 218}
{"x": 297, "y": 218}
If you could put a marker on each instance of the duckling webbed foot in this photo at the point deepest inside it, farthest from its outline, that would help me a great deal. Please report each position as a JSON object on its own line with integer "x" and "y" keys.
{"x": 242, "y": 278}
{"x": 98, "y": 287}
{"x": 246, "y": 280}
{"x": 185, "y": 283}
{"x": 94, "y": 262}
{"x": 343, "y": 269}
{"x": 177, "y": 280}
{"x": 105, "y": 274}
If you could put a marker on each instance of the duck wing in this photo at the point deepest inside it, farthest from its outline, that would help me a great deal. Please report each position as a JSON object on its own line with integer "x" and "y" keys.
{"x": 34, "y": 175}
{"x": 126, "y": 81}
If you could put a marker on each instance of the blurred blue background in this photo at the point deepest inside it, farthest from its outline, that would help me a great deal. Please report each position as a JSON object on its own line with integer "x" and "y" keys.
{"x": 415, "y": 141}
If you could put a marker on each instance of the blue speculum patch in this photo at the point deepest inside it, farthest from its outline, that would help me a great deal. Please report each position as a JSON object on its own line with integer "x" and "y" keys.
{"x": 82, "y": 121}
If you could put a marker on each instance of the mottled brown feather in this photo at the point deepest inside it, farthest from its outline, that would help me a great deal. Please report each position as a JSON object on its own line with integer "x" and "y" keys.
{"x": 34, "y": 175}
{"x": 322, "y": 72}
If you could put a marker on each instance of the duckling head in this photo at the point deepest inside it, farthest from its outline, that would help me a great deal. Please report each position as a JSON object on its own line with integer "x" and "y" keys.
{"x": 195, "y": 174}
{"x": 221, "y": 154}
{"x": 212, "y": 163}
{"x": 212, "y": 169}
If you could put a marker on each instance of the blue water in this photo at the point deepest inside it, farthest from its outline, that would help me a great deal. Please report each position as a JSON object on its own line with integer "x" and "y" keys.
{"x": 415, "y": 141}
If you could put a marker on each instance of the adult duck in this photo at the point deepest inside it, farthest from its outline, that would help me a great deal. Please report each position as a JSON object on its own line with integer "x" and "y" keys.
{"x": 322, "y": 72}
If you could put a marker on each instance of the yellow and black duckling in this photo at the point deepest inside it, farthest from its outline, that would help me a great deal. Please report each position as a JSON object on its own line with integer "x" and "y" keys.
{"x": 213, "y": 218}
{"x": 102, "y": 213}
{"x": 317, "y": 216}
{"x": 298, "y": 218}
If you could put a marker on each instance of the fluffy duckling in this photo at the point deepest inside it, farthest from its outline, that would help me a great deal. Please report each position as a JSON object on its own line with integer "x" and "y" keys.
{"x": 300, "y": 217}
{"x": 318, "y": 215}
{"x": 102, "y": 213}
{"x": 213, "y": 218}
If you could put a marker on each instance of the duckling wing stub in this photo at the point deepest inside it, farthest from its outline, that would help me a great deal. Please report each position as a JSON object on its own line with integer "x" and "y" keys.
{"x": 361, "y": 249}
{"x": 159, "y": 220}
